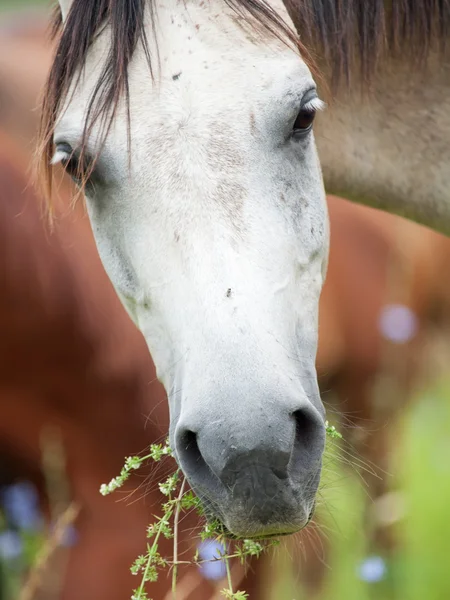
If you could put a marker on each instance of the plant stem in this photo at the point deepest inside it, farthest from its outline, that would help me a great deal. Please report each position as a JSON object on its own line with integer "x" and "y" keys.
{"x": 154, "y": 547}
{"x": 175, "y": 540}
{"x": 206, "y": 560}
{"x": 227, "y": 565}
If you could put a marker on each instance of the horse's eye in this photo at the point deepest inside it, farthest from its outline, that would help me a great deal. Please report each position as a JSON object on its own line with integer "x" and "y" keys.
{"x": 65, "y": 155}
{"x": 81, "y": 171}
{"x": 304, "y": 120}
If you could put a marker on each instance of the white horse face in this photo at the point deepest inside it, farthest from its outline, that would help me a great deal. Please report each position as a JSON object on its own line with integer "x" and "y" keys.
{"x": 214, "y": 232}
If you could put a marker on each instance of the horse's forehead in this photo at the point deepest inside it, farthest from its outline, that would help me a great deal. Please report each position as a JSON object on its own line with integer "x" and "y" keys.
{"x": 214, "y": 22}
{"x": 207, "y": 38}
{"x": 211, "y": 68}
{"x": 203, "y": 35}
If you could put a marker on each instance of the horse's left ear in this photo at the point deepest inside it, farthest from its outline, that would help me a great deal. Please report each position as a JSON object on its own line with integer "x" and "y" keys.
{"x": 65, "y": 7}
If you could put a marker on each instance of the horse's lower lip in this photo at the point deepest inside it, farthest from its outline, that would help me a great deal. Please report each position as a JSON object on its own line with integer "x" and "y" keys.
{"x": 270, "y": 536}
{"x": 272, "y": 532}
{"x": 238, "y": 530}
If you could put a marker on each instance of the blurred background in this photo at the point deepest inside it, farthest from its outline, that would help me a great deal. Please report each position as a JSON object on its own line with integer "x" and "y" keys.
{"x": 78, "y": 394}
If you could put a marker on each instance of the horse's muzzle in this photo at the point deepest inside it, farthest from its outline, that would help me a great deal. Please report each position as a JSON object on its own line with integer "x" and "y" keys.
{"x": 259, "y": 478}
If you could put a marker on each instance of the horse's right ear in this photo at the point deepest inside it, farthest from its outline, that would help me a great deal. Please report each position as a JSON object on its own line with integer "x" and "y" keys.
{"x": 65, "y": 7}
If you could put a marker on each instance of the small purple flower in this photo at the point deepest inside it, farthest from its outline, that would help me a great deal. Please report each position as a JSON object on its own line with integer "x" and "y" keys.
{"x": 11, "y": 546}
{"x": 210, "y": 550}
{"x": 21, "y": 504}
{"x": 372, "y": 569}
{"x": 398, "y": 323}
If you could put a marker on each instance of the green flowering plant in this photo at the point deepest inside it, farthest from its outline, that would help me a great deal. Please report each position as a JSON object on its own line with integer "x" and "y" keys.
{"x": 332, "y": 431}
{"x": 179, "y": 500}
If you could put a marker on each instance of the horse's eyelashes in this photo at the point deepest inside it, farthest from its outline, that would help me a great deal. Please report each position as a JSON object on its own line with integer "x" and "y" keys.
{"x": 70, "y": 160}
{"x": 315, "y": 104}
{"x": 63, "y": 152}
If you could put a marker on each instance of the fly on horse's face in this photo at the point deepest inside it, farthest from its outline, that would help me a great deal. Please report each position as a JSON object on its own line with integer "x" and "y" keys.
{"x": 213, "y": 228}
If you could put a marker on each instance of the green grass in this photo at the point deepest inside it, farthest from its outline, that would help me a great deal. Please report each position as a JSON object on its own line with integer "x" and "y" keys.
{"x": 418, "y": 567}
{"x": 425, "y": 467}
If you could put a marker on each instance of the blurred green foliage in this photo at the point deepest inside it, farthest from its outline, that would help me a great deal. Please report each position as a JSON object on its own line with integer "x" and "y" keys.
{"x": 14, "y": 568}
{"x": 417, "y": 567}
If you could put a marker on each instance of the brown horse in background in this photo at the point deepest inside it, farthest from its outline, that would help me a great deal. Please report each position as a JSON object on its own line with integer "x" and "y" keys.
{"x": 72, "y": 360}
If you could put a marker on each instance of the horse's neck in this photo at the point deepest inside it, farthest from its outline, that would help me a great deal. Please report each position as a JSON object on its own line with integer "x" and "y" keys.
{"x": 391, "y": 149}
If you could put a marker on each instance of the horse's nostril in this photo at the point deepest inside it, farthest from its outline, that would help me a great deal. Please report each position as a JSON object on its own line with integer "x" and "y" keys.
{"x": 192, "y": 461}
{"x": 305, "y": 427}
{"x": 189, "y": 450}
{"x": 309, "y": 439}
